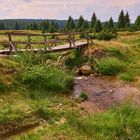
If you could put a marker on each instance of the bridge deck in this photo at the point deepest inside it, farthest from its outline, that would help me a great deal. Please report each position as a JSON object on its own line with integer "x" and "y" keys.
{"x": 53, "y": 49}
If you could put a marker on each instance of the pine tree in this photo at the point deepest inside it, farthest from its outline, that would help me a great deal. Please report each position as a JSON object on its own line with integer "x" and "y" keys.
{"x": 44, "y": 26}
{"x": 121, "y": 20}
{"x": 106, "y": 26}
{"x": 28, "y": 27}
{"x": 110, "y": 24}
{"x": 16, "y": 27}
{"x": 52, "y": 28}
{"x": 93, "y": 21}
{"x": 137, "y": 23}
{"x": 127, "y": 20}
{"x": 34, "y": 26}
{"x": 85, "y": 26}
{"x": 2, "y": 27}
{"x": 80, "y": 22}
{"x": 98, "y": 26}
{"x": 70, "y": 25}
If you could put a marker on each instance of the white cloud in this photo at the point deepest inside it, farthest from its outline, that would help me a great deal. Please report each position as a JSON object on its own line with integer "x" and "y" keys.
{"x": 61, "y": 9}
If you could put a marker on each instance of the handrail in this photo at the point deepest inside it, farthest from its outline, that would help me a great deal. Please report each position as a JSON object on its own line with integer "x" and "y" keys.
{"x": 69, "y": 37}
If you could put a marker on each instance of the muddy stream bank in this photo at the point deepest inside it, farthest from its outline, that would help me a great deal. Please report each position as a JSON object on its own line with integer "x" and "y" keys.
{"x": 104, "y": 92}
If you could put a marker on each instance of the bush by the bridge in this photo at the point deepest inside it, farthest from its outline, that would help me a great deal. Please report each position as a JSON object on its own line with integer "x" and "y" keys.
{"x": 40, "y": 78}
{"x": 110, "y": 66}
{"x": 104, "y": 35}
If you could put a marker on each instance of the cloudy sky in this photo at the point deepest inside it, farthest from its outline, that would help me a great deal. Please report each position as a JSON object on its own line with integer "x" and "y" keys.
{"x": 61, "y": 9}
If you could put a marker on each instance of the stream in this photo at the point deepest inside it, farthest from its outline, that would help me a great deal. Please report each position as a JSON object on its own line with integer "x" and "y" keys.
{"x": 104, "y": 92}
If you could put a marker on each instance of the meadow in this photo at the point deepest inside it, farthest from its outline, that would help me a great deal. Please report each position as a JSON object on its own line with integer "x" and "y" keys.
{"x": 35, "y": 92}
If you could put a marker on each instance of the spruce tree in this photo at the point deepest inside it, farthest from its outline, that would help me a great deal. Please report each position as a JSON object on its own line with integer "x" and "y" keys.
{"x": 70, "y": 25}
{"x": 2, "y": 27}
{"x": 80, "y": 22}
{"x": 93, "y": 21}
{"x": 16, "y": 27}
{"x": 110, "y": 24}
{"x": 137, "y": 23}
{"x": 52, "y": 28}
{"x": 98, "y": 26}
{"x": 121, "y": 20}
{"x": 106, "y": 26}
{"x": 34, "y": 26}
{"x": 85, "y": 26}
{"x": 44, "y": 26}
{"x": 127, "y": 20}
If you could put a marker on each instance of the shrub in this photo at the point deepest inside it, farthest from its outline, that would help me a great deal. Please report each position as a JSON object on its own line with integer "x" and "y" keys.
{"x": 83, "y": 96}
{"x": 104, "y": 35}
{"x": 46, "y": 78}
{"x": 128, "y": 77}
{"x": 114, "y": 52}
{"x": 3, "y": 87}
{"x": 110, "y": 66}
{"x": 76, "y": 59}
{"x": 121, "y": 122}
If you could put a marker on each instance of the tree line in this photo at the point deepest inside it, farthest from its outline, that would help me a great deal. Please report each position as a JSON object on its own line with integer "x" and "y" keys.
{"x": 94, "y": 25}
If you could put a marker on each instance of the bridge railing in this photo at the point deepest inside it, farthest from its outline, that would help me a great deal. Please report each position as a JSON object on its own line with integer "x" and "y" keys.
{"x": 49, "y": 40}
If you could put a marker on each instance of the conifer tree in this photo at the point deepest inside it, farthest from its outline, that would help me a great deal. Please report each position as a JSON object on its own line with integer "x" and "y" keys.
{"x": 2, "y": 27}
{"x": 93, "y": 21}
{"x": 80, "y": 22}
{"x": 70, "y": 25}
{"x": 16, "y": 27}
{"x": 121, "y": 20}
{"x": 110, "y": 24}
{"x": 106, "y": 26}
{"x": 127, "y": 20}
{"x": 85, "y": 26}
{"x": 98, "y": 26}
{"x": 137, "y": 23}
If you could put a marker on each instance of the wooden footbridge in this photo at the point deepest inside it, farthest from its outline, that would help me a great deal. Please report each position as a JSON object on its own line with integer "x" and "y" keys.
{"x": 51, "y": 42}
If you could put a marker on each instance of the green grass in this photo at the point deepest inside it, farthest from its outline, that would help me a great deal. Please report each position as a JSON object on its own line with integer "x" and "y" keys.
{"x": 43, "y": 78}
{"x": 110, "y": 66}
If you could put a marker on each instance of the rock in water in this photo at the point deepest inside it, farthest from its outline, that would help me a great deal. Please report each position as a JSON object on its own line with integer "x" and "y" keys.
{"x": 86, "y": 70}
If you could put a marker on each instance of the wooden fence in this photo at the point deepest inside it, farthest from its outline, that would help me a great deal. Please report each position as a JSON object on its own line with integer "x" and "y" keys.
{"x": 48, "y": 40}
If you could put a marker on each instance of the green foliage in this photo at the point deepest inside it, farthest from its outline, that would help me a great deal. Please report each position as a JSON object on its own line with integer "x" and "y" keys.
{"x": 17, "y": 27}
{"x": 29, "y": 59}
{"x": 80, "y": 23}
{"x": 83, "y": 96}
{"x": 110, "y": 24}
{"x": 122, "y": 122}
{"x": 128, "y": 77}
{"x": 3, "y": 87}
{"x": 121, "y": 20}
{"x": 137, "y": 23}
{"x": 127, "y": 20}
{"x": 93, "y": 21}
{"x": 2, "y": 26}
{"x": 98, "y": 26}
{"x": 110, "y": 66}
{"x": 70, "y": 25}
{"x": 114, "y": 52}
{"x": 7, "y": 114}
{"x": 41, "y": 78}
{"x": 104, "y": 35}
{"x": 75, "y": 59}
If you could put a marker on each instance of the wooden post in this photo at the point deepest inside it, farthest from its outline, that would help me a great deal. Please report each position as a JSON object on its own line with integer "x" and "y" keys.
{"x": 70, "y": 40}
{"x": 10, "y": 40}
{"x": 45, "y": 41}
{"x": 29, "y": 43}
{"x": 88, "y": 38}
{"x": 11, "y": 46}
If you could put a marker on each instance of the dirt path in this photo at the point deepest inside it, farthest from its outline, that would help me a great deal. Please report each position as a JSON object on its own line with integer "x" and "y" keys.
{"x": 103, "y": 92}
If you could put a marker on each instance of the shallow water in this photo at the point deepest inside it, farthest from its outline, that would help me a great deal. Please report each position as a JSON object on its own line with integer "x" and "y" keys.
{"x": 103, "y": 92}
